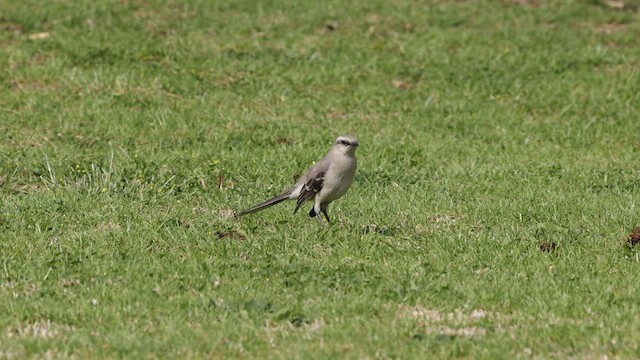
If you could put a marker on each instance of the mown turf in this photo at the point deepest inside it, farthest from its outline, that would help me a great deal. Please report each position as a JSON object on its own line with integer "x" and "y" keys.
{"x": 498, "y": 179}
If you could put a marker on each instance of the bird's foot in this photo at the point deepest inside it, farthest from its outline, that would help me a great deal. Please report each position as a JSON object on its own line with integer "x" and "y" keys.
{"x": 326, "y": 215}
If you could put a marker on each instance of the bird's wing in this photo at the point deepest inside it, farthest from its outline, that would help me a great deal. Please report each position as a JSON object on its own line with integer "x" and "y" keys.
{"x": 312, "y": 182}
{"x": 310, "y": 189}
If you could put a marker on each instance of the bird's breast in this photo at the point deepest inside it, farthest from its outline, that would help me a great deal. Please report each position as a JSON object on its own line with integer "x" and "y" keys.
{"x": 338, "y": 179}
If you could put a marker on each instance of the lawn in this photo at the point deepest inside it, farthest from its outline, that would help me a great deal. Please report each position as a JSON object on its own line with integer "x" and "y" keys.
{"x": 498, "y": 179}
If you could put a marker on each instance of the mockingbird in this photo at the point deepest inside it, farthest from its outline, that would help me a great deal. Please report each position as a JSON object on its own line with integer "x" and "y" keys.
{"x": 325, "y": 182}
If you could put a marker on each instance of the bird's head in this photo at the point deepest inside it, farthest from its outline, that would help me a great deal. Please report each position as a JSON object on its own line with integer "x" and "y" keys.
{"x": 346, "y": 144}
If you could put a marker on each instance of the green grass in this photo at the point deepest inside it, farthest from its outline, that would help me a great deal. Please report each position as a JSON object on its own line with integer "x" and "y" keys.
{"x": 129, "y": 129}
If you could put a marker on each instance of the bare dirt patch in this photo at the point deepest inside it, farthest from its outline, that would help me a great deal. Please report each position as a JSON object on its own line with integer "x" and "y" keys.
{"x": 230, "y": 235}
{"x": 461, "y": 322}
{"x": 27, "y": 188}
{"x": 634, "y": 238}
{"x": 548, "y": 246}
{"x": 45, "y": 329}
{"x": 284, "y": 140}
{"x": 630, "y": 5}
{"x": 382, "y": 230}
{"x": 529, "y": 3}
{"x": 330, "y": 27}
{"x": 607, "y": 28}
{"x": 12, "y": 27}
{"x": 18, "y": 290}
{"x": 227, "y": 213}
{"x": 443, "y": 219}
{"x": 109, "y": 227}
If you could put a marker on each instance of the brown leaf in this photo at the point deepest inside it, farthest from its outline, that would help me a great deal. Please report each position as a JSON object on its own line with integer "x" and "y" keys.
{"x": 230, "y": 234}
{"x": 400, "y": 84}
{"x": 634, "y": 238}
{"x": 332, "y": 26}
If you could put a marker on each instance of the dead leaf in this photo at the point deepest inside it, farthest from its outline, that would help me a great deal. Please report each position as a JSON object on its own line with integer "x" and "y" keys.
{"x": 332, "y": 26}
{"x": 39, "y": 36}
{"x": 634, "y": 238}
{"x": 400, "y": 84}
{"x": 615, "y": 4}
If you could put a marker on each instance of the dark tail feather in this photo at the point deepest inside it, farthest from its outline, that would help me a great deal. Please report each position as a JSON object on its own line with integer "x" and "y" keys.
{"x": 263, "y": 205}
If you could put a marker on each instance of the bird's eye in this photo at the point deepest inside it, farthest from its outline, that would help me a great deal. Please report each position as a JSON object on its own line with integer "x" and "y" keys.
{"x": 344, "y": 142}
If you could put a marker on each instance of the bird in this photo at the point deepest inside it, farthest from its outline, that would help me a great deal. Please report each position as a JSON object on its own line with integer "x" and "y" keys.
{"x": 326, "y": 181}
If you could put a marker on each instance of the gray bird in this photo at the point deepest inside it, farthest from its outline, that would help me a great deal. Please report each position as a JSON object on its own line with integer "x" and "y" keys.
{"x": 326, "y": 181}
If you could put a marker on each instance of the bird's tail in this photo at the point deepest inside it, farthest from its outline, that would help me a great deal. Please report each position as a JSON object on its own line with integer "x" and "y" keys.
{"x": 263, "y": 205}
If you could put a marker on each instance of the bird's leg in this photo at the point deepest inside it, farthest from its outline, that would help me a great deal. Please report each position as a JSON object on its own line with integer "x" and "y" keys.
{"x": 317, "y": 210}
{"x": 323, "y": 208}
